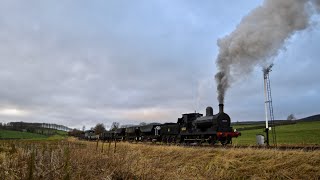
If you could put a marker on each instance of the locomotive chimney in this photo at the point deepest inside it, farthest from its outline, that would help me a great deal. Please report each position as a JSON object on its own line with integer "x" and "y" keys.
{"x": 209, "y": 111}
{"x": 221, "y": 108}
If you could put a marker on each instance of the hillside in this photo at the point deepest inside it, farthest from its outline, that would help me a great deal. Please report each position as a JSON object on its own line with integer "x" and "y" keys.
{"x": 311, "y": 118}
{"x": 9, "y": 134}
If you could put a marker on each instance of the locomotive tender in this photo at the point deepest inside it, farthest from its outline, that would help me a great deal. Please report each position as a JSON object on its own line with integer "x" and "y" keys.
{"x": 190, "y": 128}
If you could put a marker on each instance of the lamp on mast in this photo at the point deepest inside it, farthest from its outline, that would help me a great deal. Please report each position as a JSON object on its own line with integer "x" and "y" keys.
{"x": 268, "y": 105}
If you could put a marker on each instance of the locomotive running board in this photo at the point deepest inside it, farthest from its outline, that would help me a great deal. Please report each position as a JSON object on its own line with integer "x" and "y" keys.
{"x": 196, "y": 139}
{"x": 209, "y": 132}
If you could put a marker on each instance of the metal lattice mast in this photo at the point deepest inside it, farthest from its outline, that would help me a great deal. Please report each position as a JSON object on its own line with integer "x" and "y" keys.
{"x": 269, "y": 106}
{"x": 273, "y": 130}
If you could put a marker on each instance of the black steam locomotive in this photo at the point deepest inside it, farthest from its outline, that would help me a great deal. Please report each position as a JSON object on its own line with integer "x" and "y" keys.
{"x": 190, "y": 128}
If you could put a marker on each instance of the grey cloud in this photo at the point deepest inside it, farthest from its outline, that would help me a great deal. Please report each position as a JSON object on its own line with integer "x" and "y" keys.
{"x": 83, "y": 63}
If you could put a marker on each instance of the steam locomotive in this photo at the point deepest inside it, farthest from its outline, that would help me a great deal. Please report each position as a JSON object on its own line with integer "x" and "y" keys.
{"x": 190, "y": 128}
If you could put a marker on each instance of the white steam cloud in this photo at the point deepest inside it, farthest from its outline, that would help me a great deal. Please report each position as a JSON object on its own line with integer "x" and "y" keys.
{"x": 259, "y": 37}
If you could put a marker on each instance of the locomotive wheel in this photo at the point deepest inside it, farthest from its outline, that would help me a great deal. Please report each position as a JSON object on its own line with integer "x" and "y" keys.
{"x": 178, "y": 140}
{"x": 224, "y": 141}
{"x": 212, "y": 140}
{"x": 182, "y": 139}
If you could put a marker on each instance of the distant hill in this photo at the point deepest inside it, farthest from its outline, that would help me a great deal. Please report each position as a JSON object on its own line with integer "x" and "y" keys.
{"x": 262, "y": 122}
{"x": 10, "y": 134}
{"x": 311, "y": 118}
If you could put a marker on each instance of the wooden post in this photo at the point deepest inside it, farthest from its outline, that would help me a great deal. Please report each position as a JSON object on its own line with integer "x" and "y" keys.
{"x": 109, "y": 146}
{"x": 102, "y": 146}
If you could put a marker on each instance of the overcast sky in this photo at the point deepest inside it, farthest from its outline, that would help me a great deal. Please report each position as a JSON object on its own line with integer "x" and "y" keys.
{"x": 78, "y": 63}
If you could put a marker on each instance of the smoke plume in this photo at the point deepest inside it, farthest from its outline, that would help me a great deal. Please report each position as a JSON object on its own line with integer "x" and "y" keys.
{"x": 259, "y": 37}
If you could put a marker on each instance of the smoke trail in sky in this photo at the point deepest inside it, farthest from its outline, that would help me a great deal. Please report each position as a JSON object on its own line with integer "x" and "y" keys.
{"x": 258, "y": 38}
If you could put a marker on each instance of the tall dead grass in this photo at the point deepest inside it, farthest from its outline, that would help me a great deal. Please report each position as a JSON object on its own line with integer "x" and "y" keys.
{"x": 89, "y": 160}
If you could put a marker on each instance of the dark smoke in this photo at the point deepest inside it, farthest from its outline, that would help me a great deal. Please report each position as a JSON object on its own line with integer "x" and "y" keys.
{"x": 224, "y": 84}
{"x": 258, "y": 38}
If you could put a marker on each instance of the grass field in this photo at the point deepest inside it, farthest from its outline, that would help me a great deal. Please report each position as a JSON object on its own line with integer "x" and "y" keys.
{"x": 246, "y": 125}
{"x": 73, "y": 159}
{"x": 8, "y": 134}
{"x": 301, "y": 133}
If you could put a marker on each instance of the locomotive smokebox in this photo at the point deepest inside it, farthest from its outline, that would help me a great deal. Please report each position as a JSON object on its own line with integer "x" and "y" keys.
{"x": 209, "y": 111}
{"x": 221, "y": 108}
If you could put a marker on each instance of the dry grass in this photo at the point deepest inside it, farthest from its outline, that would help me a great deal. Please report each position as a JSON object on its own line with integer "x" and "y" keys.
{"x": 73, "y": 159}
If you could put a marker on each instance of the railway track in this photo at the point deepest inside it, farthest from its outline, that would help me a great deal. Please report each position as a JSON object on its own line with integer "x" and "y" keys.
{"x": 281, "y": 147}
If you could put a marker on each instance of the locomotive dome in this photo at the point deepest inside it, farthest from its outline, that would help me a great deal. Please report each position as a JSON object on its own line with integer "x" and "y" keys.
{"x": 209, "y": 111}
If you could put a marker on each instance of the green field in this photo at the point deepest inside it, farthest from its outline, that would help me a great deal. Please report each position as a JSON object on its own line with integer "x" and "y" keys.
{"x": 8, "y": 134}
{"x": 301, "y": 133}
{"x": 246, "y": 125}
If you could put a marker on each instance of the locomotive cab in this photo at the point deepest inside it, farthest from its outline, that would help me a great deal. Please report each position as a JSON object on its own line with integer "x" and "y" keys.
{"x": 186, "y": 121}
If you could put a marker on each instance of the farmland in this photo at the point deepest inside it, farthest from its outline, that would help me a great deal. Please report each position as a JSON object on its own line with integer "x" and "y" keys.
{"x": 74, "y": 159}
{"x": 301, "y": 133}
{"x": 9, "y": 134}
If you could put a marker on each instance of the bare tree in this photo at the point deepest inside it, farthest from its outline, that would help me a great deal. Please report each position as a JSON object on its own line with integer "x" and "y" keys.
{"x": 291, "y": 117}
{"x": 114, "y": 126}
{"x": 75, "y": 132}
{"x": 143, "y": 124}
{"x": 83, "y": 128}
{"x": 126, "y": 125}
{"x": 99, "y": 128}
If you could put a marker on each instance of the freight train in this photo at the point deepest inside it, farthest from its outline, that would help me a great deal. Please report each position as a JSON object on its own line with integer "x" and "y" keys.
{"x": 190, "y": 128}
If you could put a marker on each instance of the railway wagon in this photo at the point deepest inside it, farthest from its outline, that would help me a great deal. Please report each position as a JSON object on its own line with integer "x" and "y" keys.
{"x": 133, "y": 133}
{"x": 150, "y": 132}
{"x": 107, "y": 136}
{"x": 120, "y": 134}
